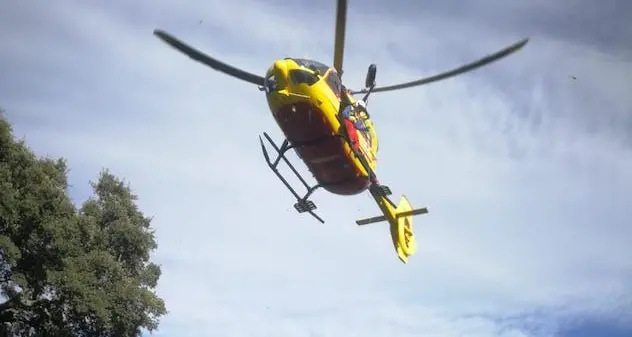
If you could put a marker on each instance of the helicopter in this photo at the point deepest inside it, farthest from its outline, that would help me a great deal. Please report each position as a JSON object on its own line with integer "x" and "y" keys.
{"x": 330, "y": 129}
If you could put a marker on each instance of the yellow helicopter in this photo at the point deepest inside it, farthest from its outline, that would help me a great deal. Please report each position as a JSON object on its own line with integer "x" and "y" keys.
{"x": 330, "y": 129}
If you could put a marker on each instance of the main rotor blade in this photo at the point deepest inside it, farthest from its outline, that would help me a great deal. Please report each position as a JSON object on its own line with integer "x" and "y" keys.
{"x": 207, "y": 60}
{"x": 463, "y": 69}
{"x": 339, "y": 46}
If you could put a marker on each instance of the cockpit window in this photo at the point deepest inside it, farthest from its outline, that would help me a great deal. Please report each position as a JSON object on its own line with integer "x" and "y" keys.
{"x": 313, "y": 65}
{"x": 334, "y": 82}
{"x": 299, "y": 76}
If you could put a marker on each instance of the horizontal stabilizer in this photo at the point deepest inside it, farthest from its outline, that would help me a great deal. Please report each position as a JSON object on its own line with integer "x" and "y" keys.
{"x": 381, "y": 218}
{"x": 400, "y": 219}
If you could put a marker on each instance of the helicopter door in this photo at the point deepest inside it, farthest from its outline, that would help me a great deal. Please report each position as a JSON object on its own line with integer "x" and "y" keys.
{"x": 358, "y": 131}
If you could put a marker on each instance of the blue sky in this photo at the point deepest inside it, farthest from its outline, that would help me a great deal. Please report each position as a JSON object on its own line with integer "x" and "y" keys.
{"x": 525, "y": 170}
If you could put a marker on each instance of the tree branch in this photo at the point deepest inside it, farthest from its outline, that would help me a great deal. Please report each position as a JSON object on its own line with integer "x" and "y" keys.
{"x": 11, "y": 303}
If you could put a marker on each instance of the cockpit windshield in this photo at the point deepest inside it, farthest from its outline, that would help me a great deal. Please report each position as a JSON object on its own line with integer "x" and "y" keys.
{"x": 332, "y": 79}
{"x": 313, "y": 65}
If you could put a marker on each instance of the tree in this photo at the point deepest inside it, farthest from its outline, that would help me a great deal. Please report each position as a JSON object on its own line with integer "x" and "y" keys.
{"x": 68, "y": 271}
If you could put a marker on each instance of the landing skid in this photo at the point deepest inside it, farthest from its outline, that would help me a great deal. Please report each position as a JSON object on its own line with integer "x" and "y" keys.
{"x": 303, "y": 204}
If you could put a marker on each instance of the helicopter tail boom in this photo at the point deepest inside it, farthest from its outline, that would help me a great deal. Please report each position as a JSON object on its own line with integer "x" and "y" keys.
{"x": 400, "y": 220}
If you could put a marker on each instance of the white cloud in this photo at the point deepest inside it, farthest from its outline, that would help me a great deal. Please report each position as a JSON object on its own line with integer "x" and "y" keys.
{"x": 523, "y": 169}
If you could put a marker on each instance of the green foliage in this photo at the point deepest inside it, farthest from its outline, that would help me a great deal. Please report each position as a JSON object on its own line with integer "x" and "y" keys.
{"x": 66, "y": 271}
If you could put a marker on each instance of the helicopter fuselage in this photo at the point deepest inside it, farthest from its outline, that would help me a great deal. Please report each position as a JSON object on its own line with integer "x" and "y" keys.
{"x": 304, "y": 98}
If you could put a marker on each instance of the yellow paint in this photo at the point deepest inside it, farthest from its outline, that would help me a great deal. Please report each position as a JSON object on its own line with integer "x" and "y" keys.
{"x": 401, "y": 227}
{"x": 322, "y": 96}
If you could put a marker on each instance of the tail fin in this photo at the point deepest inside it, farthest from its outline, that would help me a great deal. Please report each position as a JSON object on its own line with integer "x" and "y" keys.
{"x": 401, "y": 224}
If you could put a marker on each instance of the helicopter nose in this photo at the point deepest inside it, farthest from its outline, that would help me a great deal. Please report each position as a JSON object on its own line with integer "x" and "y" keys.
{"x": 280, "y": 73}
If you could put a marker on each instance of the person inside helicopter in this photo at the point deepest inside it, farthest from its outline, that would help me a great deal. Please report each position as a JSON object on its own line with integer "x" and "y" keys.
{"x": 357, "y": 114}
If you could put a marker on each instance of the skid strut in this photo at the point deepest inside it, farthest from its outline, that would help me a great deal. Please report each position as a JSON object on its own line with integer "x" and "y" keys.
{"x": 303, "y": 204}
